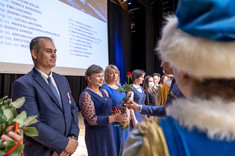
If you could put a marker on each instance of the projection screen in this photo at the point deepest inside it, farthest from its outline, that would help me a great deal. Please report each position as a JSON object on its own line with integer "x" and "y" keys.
{"x": 77, "y": 27}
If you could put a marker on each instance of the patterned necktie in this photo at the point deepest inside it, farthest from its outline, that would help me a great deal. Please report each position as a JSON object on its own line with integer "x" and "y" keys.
{"x": 54, "y": 90}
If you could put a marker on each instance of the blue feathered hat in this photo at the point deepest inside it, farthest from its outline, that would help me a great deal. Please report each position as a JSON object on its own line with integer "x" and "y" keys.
{"x": 200, "y": 39}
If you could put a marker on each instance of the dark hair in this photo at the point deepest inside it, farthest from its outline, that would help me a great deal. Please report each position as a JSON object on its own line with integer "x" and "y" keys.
{"x": 146, "y": 82}
{"x": 93, "y": 69}
{"x": 34, "y": 44}
{"x": 162, "y": 79}
{"x": 136, "y": 74}
{"x": 209, "y": 88}
{"x": 156, "y": 74}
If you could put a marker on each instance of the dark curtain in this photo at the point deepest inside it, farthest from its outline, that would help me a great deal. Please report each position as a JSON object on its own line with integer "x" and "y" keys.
{"x": 6, "y": 81}
{"x": 77, "y": 84}
{"x": 119, "y": 38}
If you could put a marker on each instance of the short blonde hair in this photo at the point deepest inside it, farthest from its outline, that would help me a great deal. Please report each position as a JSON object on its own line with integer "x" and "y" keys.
{"x": 107, "y": 69}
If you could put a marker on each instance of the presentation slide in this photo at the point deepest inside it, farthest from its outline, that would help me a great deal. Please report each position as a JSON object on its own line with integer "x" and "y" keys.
{"x": 77, "y": 27}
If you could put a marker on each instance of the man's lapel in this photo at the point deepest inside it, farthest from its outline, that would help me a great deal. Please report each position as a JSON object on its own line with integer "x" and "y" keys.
{"x": 39, "y": 79}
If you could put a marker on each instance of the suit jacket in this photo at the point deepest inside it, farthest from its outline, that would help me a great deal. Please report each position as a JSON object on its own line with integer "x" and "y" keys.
{"x": 55, "y": 123}
{"x": 153, "y": 110}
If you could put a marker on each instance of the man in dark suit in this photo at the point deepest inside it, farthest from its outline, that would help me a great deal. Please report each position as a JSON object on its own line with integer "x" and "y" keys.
{"x": 48, "y": 96}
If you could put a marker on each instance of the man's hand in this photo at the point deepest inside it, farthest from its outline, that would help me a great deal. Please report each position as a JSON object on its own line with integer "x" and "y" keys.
{"x": 133, "y": 105}
{"x": 71, "y": 146}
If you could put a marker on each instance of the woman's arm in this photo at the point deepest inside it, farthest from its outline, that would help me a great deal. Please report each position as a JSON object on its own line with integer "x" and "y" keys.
{"x": 134, "y": 121}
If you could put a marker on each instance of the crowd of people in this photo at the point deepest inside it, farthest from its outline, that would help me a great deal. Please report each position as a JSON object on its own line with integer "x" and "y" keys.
{"x": 100, "y": 106}
{"x": 48, "y": 96}
{"x": 194, "y": 99}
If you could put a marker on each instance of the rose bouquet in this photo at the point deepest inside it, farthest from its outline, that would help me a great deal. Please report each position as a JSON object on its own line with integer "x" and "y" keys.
{"x": 10, "y": 120}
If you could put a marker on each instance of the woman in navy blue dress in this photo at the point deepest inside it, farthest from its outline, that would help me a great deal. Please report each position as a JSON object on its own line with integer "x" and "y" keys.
{"x": 137, "y": 95}
{"x": 111, "y": 86}
{"x": 96, "y": 109}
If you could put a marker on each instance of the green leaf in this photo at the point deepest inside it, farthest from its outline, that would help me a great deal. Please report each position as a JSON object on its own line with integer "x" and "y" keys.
{"x": 5, "y": 106}
{"x": 30, "y": 131}
{"x": 10, "y": 121}
{"x": 15, "y": 153}
{"x": 120, "y": 89}
{"x": 1, "y": 128}
{"x": 3, "y": 118}
{"x": 1, "y": 101}
{"x": 8, "y": 113}
{"x": 32, "y": 122}
{"x": 1, "y": 141}
{"x": 125, "y": 99}
{"x": 18, "y": 102}
{"x": 20, "y": 147}
{"x": 10, "y": 144}
{"x": 6, "y": 125}
{"x": 2, "y": 152}
{"x": 29, "y": 120}
{"x": 20, "y": 118}
{"x": 14, "y": 111}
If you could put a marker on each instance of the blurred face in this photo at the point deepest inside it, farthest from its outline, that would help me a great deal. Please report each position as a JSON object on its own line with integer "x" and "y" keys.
{"x": 150, "y": 82}
{"x": 156, "y": 80}
{"x": 140, "y": 79}
{"x": 96, "y": 80}
{"x": 166, "y": 68}
{"x": 165, "y": 79}
{"x": 45, "y": 58}
{"x": 185, "y": 83}
{"x": 112, "y": 75}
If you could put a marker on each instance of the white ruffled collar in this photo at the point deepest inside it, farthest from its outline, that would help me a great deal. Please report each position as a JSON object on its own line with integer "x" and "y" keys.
{"x": 214, "y": 117}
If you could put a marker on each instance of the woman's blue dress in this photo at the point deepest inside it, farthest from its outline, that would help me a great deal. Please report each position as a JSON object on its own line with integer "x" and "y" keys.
{"x": 140, "y": 99}
{"x": 98, "y": 132}
{"x": 117, "y": 96}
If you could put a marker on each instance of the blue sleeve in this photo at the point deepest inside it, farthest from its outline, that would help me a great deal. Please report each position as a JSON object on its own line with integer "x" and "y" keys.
{"x": 88, "y": 111}
{"x": 153, "y": 110}
{"x": 102, "y": 120}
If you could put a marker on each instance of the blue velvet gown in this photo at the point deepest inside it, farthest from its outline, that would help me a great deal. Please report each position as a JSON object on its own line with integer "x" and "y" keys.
{"x": 115, "y": 96}
{"x": 98, "y": 132}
